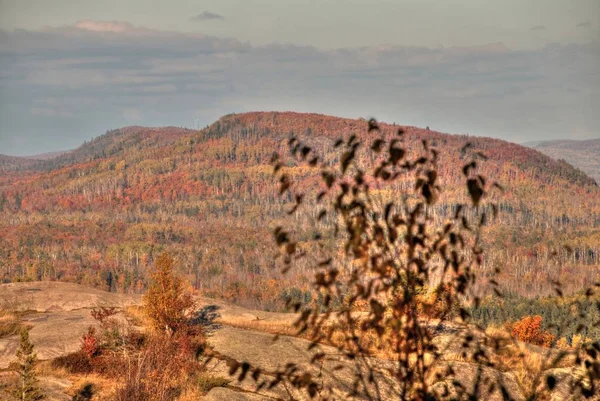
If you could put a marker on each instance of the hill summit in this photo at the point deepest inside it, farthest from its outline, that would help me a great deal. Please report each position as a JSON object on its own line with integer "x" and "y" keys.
{"x": 100, "y": 214}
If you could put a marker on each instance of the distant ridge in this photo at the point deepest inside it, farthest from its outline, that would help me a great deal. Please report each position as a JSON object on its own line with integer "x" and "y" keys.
{"x": 111, "y": 143}
{"x": 48, "y": 155}
{"x": 583, "y": 154}
{"x": 15, "y": 163}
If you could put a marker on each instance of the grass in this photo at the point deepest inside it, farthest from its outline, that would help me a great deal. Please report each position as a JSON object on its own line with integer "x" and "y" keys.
{"x": 101, "y": 387}
{"x": 137, "y": 317}
{"x": 529, "y": 362}
{"x": 267, "y": 327}
{"x": 196, "y": 388}
{"x": 10, "y": 324}
{"x": 206, "y": 382}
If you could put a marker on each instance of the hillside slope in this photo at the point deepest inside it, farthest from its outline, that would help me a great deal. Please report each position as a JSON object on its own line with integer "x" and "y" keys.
{"x": 112, "y": 144}
{"x": 585, "y": 155}
{"x": 100, "y": 214}
{"x": 13, "y": 163}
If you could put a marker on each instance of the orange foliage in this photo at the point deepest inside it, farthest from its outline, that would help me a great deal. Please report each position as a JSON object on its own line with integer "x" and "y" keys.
{"x": 529, "y": 329}
{"x": 167, "y": 302}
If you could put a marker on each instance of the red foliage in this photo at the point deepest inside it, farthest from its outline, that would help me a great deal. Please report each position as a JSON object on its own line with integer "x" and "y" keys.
{"x": 103, "y": 313}
{"x": 90, "y": 343}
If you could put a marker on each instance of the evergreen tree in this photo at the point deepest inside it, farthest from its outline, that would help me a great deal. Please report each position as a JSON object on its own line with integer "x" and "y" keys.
{"x": 26, "y": 389}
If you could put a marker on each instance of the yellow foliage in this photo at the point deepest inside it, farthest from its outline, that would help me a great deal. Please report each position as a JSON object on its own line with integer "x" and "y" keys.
{"x": 167, "y": 301}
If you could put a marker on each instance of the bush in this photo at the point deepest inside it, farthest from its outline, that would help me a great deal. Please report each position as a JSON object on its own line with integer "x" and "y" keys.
{"x": 373, "y": 253}
{"x": 529, "y": 330}
{"x": 111, "y": 365}
{"x": 89, "y": 342}
{"x": 159, "y": 370}
{"x": 75, "y": 362}
{"x": 439, "y": 302}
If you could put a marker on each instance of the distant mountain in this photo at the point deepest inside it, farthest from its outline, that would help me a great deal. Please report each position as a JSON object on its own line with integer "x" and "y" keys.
{"x": 47, "y": 156}
{"x": 113, "y": 143}
{"x": 585, "y": 155}
{"x": 12, "y": 163}
{"x": 101, "y": 213}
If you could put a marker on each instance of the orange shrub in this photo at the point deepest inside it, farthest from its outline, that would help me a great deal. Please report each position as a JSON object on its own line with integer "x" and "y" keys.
{"x": 529, "y": 329}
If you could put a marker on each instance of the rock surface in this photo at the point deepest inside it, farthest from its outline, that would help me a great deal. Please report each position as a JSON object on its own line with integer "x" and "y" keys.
{"x": 222, "y": 394}
{"x": 51, "y": 296}
{"x": 58, "y": 314}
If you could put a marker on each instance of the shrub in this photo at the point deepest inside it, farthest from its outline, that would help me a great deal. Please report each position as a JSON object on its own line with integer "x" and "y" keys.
{"x": 529, "y": 330}
{"x": 111, "y": 365}
{"x": 89, "y": 342}
{"x": 75, "y": 362}
{"x": 102, "y": 314}
{"x": 373, "y": 251}
{"x": 439, "y": 302}
{"x": 157, "y": 372}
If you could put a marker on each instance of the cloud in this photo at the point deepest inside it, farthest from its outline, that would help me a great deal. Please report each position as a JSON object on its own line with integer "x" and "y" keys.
{"x": 538, "y": 28}
{"x": 584, "y": 24}
{"x": 75, "y": 82}
{"x": 207, "y": 16}
{"x": 104, "y": 26}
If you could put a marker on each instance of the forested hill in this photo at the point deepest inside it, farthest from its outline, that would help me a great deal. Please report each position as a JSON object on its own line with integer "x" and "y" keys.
{"x": 112, "y": 144}
{"x": 9, "y": 163}
{"x": 99, "y": 214}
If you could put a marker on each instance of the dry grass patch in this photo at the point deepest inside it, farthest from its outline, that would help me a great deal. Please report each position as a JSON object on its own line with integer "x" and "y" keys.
{"x": 264, "y": 326}
{"x": 205, "y": 382}
{"x": 48, "y": 368}
{"x": 84, "y": 386}
{"x": 527, "y": 362}
{"x": 92, "y": 387}
{"x": 10, "y": 323}
{"x": 137, "y": 317}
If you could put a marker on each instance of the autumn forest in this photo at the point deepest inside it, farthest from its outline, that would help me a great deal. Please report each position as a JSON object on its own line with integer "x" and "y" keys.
{"x": 99, "y": 215}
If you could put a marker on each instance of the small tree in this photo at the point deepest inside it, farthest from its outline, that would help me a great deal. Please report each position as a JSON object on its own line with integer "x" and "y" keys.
{"x": 167, "y": 302}
{"x": 26, "y": 389}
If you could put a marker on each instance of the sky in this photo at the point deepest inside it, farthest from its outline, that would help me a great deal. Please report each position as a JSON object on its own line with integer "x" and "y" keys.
{"x": 521, "y": 70}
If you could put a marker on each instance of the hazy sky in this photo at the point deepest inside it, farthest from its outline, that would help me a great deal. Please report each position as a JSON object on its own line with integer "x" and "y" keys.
{"x": 516, "y": 69}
